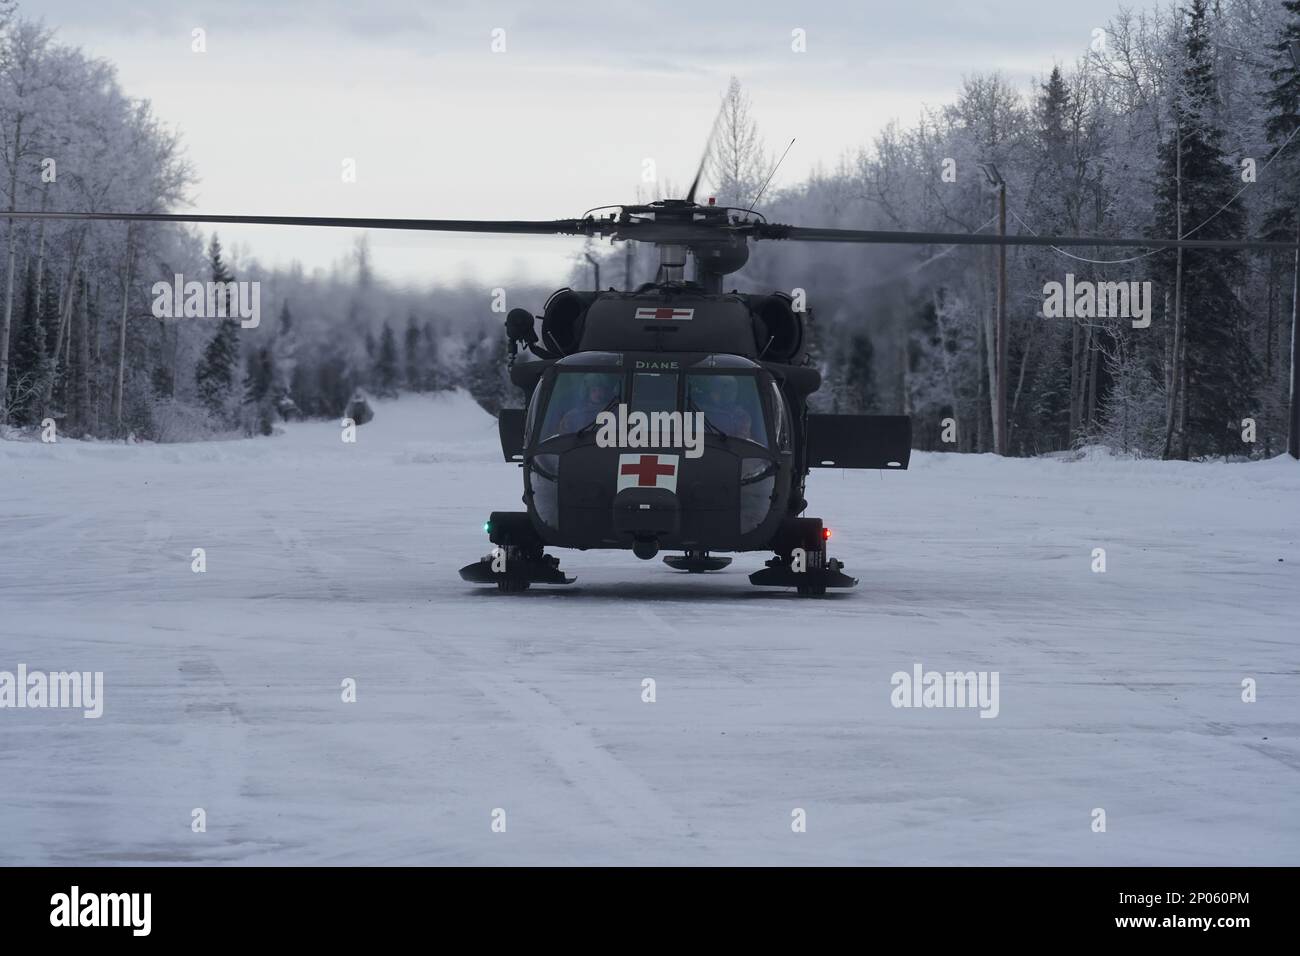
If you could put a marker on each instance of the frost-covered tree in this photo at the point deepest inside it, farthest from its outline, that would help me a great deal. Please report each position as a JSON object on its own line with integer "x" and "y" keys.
{"x": 259, "y": 391}
{"x": 31, "y": 363}
{"x": 413, "y": 354}
{"x": 386, "y": 377}
{"x": 1211, "y": 371}
{"x": 215, "y": 375}
{"x": 431, "y": 380}
{"x": 738, "y": 162}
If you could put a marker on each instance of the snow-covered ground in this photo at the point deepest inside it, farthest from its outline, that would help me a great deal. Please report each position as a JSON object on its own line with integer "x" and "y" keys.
{"x": 1119, "y": 690}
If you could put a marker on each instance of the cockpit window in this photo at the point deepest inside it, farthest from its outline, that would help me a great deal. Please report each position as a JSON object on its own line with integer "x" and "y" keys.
{"x": 730, "y": 403}
{"x": 577, "y": 398}
{"x": 779, "y": 416}
{"x": 654, "y": 392}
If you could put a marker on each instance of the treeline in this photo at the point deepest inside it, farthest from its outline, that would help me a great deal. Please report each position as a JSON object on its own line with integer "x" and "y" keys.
{"x": 327, "y": 336}
{"x": 79, "y": 341}
{"x": 1166, "y": 128}
{"x": 1179, "y": 123}
{"x": 1172, "y": 123}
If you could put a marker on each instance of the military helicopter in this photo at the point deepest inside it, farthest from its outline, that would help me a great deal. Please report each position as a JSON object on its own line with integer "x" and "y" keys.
{"x": 679, "y": 351}
{"x": 607, "y": 365}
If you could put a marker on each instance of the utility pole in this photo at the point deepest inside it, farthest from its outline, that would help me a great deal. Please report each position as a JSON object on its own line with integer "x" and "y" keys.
{"x": 1000, "y": 443}
{"x": 121, "y": 335}
{"x": 627, "y": 266}
{"x": 1293, "y": 432}
{"x": 595, "y": 265}
{"x": 1003, "y": 445}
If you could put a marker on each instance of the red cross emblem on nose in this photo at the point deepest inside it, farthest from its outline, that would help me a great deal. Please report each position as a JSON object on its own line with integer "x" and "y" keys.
{"x": 647, "y": 470}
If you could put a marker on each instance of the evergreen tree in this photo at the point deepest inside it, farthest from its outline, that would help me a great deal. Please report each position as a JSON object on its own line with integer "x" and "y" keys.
{"x": 284, "y": 355}
{"x": 488, "y": 382}
{"x": 858, "y": 393}
{"x": 79, "y": 412}
{"x": 30, "y": 366}
{"x": 815, "y": 352}
{"x": 49, "y": 313}
{"x": 1053, "y": 106}
{"x": 414, "y": 356}
{"x": 1283, "y": 99}
{"x": 432, "y": 377}
{"x": 214, "y": 376}
{"x": 259, "y": 395}
{"x": 386, "y": 373}
{"x": 1283, "y": 103}
{"x": 334, "y": 387}
{"x": 1214, "y": 369}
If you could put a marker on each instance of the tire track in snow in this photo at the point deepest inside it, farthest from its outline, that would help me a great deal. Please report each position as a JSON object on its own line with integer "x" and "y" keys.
{"x": 157, "y": 535}
{"x": 613, "y": 789}
{"x": 720, "y": 664}
{"x": 1188, "y": 719}
{"x": 304, "y": 555}
{"x": 211, "y": 738}
{"x": 27, "y": 526}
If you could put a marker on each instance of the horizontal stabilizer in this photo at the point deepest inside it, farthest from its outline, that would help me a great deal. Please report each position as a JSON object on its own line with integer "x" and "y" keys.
{"x": 859, "y": 441}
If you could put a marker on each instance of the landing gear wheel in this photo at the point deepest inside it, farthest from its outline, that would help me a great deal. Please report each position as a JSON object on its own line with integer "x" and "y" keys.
{"x": 509, "y": 582}
{"x": 518, "y": 561}
{"x": 811, "y": 572}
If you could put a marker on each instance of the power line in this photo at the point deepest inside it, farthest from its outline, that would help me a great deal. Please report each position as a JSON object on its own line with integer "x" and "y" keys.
{"x": 1213, "y": 215}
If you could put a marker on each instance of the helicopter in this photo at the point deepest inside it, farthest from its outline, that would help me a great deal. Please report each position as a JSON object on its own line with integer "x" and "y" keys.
{"x": 679, "y": 352}
{"x": 724, "y": 376}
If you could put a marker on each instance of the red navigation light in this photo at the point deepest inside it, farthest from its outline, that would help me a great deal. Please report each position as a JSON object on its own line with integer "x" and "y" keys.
{"x": 826, "y": 534}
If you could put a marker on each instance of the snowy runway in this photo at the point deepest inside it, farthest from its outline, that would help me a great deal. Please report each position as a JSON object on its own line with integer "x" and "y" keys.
{"x": 327, "y": 561}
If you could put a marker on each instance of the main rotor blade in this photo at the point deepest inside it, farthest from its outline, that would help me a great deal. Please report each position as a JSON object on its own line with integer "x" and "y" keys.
{"x": 811, "y": 234}
{"x": 666, "y": 232}
{"x": 504, "y": 226}
{"x": 708, "y": 150}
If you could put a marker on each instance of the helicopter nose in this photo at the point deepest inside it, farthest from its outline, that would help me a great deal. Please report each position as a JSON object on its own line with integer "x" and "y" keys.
{"x": 646, "y": 514}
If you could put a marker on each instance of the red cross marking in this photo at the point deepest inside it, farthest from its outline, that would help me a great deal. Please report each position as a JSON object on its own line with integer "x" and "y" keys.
{"x": 648, "y": 471}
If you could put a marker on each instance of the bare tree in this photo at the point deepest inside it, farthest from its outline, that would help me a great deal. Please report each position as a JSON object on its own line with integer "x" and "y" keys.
{"x": 22, "y": 84}
{"x": 738, "y": 163}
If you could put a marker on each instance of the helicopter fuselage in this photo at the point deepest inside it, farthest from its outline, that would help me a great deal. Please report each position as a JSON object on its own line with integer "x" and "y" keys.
{"x": 672, "y": 418}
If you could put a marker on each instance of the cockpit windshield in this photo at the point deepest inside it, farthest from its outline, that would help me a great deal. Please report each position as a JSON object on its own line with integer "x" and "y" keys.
{"x": 729, "y": 402}
{"x": 732, "y": 403}
{"x": 577, "y": 398}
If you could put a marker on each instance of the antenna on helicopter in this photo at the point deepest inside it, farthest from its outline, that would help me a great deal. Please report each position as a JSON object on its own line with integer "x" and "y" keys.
{"x": 769, "y": 178}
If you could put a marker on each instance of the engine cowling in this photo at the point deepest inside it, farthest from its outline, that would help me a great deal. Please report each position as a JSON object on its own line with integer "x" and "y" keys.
{"x": 562, "y": 320}
{"x": 778, "y": 327}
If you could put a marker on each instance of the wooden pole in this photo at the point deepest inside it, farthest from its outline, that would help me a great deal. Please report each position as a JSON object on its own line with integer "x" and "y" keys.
{"x": 1293, "y": 435}
{"x": 1000, "y": 427}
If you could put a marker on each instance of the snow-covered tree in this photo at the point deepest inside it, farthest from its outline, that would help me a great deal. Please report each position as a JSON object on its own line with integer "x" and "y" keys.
{"x": 216, "y": 374}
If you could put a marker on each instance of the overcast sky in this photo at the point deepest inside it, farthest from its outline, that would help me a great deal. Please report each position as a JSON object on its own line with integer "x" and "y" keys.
{"x": 440, "y": 126}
